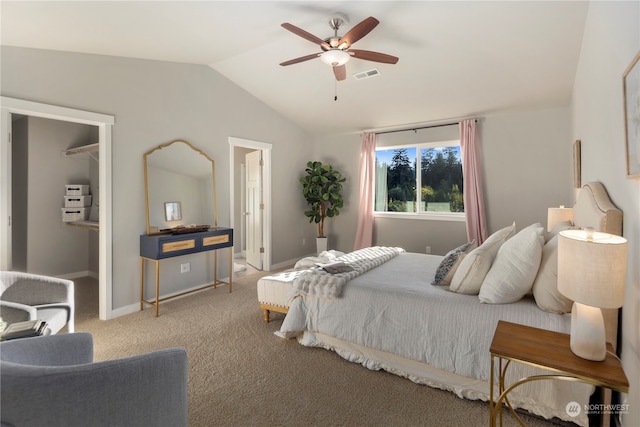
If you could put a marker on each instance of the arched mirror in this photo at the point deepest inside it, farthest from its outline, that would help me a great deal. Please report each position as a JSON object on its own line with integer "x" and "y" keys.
{"x": 180, "y": 189}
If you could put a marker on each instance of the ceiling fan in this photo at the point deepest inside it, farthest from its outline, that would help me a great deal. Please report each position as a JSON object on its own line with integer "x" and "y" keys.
{"x": 336, "y": 51}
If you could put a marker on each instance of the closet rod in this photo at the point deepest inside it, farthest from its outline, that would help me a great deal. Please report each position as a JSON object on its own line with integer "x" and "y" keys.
{"x": 421, "y": 127}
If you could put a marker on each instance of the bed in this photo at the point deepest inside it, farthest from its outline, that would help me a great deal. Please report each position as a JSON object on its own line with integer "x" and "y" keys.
{"x": 431, "y": 334}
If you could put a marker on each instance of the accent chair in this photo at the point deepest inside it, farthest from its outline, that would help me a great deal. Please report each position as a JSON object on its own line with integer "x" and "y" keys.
{"x": 53, "y": 381}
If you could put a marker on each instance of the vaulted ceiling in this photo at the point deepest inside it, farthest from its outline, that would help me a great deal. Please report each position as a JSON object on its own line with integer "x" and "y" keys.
{"x": 457, "y": 58}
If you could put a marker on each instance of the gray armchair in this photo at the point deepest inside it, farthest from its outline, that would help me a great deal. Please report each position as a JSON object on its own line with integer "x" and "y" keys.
{"x": 25, "y": 296}
{"x": 53, "y": 381}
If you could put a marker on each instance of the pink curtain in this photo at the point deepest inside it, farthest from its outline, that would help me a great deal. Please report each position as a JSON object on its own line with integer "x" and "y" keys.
{"x": 364, "y": 232}
{"x": 472, "y": 181}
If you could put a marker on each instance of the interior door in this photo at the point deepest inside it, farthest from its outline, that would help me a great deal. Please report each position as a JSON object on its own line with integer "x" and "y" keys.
{"x": 253, "y": 208}
{"x": 5, "y": 187}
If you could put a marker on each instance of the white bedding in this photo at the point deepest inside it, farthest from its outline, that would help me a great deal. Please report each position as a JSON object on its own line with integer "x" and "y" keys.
{"x": 384, "y": 323}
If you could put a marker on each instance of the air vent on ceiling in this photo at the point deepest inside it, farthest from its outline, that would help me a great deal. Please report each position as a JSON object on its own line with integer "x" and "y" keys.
{"x": 366, "y": 74}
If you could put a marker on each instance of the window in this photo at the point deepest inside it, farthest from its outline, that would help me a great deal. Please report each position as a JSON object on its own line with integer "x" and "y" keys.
{"x": 439, "y": 180}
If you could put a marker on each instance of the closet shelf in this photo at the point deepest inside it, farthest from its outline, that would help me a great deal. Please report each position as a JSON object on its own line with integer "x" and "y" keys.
{"x": 91, "y": 148}
{"x": 91, "y": 225}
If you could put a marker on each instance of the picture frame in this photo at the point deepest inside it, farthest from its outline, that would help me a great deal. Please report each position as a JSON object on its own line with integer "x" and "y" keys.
{"x": 172, "y": 211}
{"x": 577, "y": 167}
{"x": 631, "y": 93}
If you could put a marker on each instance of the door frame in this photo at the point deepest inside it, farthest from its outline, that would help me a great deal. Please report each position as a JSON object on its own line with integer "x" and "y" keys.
{"x": 9, "y": 106}
{"x": 266, "y": 190}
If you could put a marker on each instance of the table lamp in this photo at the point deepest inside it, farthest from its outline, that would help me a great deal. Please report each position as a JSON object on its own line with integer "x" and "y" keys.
{"x": 557, "y": 216}
{"x": 592, "y": 269}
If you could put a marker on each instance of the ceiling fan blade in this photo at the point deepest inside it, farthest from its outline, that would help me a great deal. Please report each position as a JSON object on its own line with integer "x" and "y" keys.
{"x": 305, "y": 35}
{"x": 368, "y": 55}
{"x": 340, "y": 71}
{"x": 358, "y": 32}
{"x": 301, "y": 59}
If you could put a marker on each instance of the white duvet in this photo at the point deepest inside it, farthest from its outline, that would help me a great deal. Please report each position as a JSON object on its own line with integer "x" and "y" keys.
{"x": 394, "y": 309}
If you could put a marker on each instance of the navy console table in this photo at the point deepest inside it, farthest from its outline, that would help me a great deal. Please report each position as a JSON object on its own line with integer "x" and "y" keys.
{"x": 160, "y": 246}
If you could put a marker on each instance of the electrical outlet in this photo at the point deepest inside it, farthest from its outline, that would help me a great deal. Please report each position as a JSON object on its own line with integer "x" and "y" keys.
{"x": 185, "y": 268}
{"x": 427, "y": 250}
{"x": 304, "y": 241}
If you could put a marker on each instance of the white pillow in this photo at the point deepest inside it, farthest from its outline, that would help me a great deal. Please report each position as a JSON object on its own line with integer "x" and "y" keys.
{"x": 545, "y": 287}
{"x": 515, "y": 267}
{"x": 475, "y": 265}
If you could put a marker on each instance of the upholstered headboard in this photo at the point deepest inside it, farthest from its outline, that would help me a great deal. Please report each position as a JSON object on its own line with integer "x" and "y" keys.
{"x": 594, "y": 209}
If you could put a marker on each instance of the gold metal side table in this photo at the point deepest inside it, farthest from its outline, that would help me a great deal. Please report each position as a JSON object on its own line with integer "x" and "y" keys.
{"x": 547, "y": 350}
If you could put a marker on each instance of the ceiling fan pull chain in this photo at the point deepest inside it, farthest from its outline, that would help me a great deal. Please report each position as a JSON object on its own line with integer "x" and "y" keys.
{"x": 335, "y": 90}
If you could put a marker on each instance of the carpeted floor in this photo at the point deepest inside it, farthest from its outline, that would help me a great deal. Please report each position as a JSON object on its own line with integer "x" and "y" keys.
{"x": 241, "y": 374}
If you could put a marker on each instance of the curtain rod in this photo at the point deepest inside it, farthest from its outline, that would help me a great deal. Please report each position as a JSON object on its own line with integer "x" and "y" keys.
{"x": 421, "y": 127}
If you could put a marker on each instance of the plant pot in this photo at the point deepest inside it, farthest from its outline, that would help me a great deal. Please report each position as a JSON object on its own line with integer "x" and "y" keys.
{"x": 321, "y": 244}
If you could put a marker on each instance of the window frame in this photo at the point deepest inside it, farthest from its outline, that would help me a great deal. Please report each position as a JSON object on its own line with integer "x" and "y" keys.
{"x": 428, "y": 215}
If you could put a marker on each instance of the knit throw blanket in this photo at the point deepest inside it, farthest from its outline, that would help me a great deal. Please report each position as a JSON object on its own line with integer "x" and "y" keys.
{"x": 321, "y": 284}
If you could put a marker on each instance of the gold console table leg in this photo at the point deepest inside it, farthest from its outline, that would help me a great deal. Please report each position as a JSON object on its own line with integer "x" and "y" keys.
{"x": 230, "y": 268}
{"x": 157, "y": 300}
{"x": 141, "y": 283}
{"x": 157, "y": 286}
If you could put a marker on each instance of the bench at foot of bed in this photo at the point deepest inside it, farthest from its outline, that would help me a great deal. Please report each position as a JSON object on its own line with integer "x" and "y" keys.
{"x": 273, "y": 292}
{"x": 268, "y": 308}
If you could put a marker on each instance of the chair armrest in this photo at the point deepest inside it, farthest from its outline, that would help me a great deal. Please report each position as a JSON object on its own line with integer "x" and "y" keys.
{"x": 34, "y": 289}
{"x": 53, "y": 350}
{"x": 144, "y": 390}
{"x": 12, "y": 312}
{"x": 64, "y": 306}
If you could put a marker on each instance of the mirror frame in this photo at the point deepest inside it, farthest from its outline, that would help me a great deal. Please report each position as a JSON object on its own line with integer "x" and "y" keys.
{"x": 146, "y": 181}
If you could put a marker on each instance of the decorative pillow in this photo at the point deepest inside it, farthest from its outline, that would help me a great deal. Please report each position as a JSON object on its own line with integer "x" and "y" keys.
{"x": 515, "y": 267}
{"x": 545, "y": 287}
{"x": 450, "y": 263}
{"x": 475, "y": 265}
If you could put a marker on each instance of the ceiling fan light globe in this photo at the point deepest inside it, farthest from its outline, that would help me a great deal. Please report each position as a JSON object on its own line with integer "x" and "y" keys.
{"x": 335, "y": 57}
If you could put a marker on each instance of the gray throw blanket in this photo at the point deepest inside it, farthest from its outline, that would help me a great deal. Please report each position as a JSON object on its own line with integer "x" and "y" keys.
{"x": 321, "y": 284}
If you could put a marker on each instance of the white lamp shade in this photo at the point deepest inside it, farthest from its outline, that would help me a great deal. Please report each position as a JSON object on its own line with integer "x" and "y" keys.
{"x": 335, "y": 57}
{"x": 592, "y": 267}
{"x": 557, "y": 216}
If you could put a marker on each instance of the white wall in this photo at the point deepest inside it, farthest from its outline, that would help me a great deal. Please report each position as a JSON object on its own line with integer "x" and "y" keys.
{"x": 526, "y": 169}
{"x": 611, "y": 41}
{"x": 153, "y": 103}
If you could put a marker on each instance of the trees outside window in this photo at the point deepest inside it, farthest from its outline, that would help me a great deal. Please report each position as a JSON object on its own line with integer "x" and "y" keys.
{"x": 440, "y": 178}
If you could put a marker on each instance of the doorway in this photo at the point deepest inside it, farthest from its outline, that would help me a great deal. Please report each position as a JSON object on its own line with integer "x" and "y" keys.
{"x": 250, "y": 206}
{"x": 104, "y": 123}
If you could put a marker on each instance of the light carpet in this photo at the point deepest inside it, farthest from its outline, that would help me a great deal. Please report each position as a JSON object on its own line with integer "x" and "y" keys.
{"x": 241, "y": 374}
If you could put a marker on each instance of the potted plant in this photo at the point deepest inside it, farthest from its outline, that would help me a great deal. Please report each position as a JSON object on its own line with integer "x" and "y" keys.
{"x": 322, "y": 189}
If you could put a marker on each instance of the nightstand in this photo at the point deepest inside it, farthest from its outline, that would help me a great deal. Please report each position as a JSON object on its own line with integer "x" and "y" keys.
{"x": 547, "y": 350}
